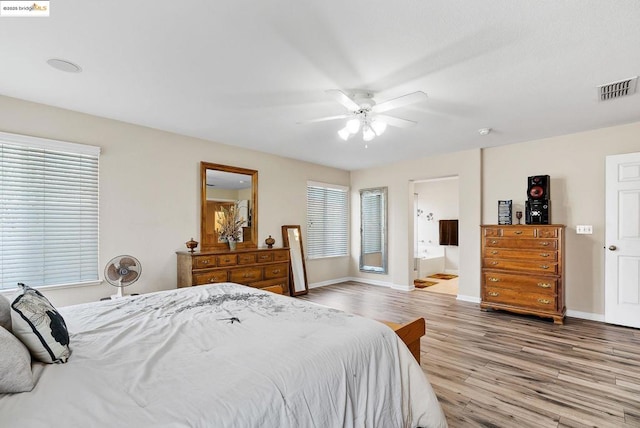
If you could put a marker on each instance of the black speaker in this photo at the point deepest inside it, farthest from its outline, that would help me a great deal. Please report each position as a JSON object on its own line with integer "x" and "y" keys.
{"x": 537, "y": 211}
{"x": 538, "y": 187}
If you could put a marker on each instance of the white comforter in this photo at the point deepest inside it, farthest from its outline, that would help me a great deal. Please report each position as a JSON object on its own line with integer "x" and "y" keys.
{"x": 176, "y": 359}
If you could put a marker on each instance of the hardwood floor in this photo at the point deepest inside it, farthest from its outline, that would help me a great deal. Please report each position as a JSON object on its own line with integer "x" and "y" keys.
{"x": 495, "y": 369}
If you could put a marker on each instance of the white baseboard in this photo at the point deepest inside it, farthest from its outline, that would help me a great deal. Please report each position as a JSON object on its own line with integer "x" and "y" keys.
{"x": 471, "y": 299}
{"x": 329, "y": 282}
{"x": 585, "y": 315}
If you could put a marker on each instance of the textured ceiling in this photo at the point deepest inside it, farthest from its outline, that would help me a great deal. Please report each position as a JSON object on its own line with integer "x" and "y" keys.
{"x": 246, "y": 73}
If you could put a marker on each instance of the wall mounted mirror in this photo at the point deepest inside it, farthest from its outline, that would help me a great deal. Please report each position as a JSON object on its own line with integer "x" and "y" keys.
{"x": 373, "y": 230}
{"x": 227, "y": 189}
{"x": 292, "y": 238}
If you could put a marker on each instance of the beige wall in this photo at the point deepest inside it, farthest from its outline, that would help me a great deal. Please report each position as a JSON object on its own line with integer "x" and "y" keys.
{"x": 398, "y": 178}
{"x": 576, "y": 165}
{"x": 149, "y": 191}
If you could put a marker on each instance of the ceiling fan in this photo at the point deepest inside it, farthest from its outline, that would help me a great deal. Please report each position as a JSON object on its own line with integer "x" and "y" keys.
{"x": 364, "y": 114}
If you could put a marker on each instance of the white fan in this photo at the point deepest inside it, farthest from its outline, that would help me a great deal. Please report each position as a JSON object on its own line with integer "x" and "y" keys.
{"x": 365, "y": 114}
{"x": 122, "y": 271}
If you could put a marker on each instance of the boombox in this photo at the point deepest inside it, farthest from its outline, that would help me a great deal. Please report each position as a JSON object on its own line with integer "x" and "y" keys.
{"x": 537, "y": 211}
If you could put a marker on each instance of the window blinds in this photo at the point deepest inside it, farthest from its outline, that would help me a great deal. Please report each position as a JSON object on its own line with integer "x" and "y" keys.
{"x": 48, "y": 212}
{"x": 327, "y": 220}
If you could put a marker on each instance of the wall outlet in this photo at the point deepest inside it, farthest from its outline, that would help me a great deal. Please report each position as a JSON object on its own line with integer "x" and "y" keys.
{"x": 584, "y": 229}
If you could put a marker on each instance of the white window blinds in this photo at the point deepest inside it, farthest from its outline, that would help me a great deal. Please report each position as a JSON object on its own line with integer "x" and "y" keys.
{"x": 48, "y": 212}
{"x": 327, "y": 220}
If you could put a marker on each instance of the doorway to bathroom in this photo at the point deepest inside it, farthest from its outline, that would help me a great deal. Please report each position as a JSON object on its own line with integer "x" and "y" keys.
{"x": 435, "y": 208}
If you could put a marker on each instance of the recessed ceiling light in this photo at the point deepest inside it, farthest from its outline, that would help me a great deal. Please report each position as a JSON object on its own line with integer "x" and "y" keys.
{"x": 484, "y": 131}
{"x": 64, "y": 65}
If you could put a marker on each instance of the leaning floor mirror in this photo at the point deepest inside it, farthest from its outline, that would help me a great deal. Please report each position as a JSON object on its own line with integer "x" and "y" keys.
{"x": 373, "y": 230}
{"x": 292, "y": 238}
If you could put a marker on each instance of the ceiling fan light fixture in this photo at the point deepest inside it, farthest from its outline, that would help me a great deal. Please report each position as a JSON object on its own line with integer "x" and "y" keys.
{"x": 344, "y": 133}
{"x": 379, "y": 127}
{"x": 367, "y": 133}
{"x": 353, "y": 126}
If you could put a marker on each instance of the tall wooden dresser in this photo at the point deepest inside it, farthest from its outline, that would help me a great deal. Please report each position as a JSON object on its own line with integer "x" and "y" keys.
{"x": 523, "y": 269}
{"x": 256, "y": 267}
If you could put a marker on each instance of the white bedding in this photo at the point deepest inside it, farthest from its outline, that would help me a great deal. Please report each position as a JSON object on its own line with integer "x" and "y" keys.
{"x": 174, "y": 359}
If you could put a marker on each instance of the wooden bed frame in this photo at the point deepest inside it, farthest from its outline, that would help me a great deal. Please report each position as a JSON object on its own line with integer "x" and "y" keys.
{"x": 410, "y": 333}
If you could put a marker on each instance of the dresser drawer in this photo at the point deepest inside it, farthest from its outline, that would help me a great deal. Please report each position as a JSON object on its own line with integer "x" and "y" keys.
{"x": 519, "y": 232}
{"x": 520, "y": 283}
{"x": 549, "y": 244}
{"x": 281, "y": 256}
{"x": 492, "y": 231}
{"x": 227, "y": 260}
{"x": 265, "y": 257}
{"x": 245, "y": 275}
{"x": 532, "y": 265}
{"x": 276, "y": 271}
{"x": 547, "y": 232}
{"x": 516, "y": 298}
{"x": 200, "y": 262}
{"x": 210, "y": 277}
{"x": 246, "y": 259}
{"x": 502, "y": 253}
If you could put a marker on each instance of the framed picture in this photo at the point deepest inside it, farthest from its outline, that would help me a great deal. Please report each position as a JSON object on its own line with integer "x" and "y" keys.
{"x": 504, "y": 212}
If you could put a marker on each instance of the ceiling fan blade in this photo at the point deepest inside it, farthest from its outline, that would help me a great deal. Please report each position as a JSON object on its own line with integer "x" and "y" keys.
{"x": 412, "y": 98}
{"x": 324, "y": 119}
{"x": 344, "y": 99}
{"x": 394, "y": 121}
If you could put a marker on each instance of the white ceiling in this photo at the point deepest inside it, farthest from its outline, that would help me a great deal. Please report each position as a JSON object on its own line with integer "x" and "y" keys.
{"x": 245, "y": 72}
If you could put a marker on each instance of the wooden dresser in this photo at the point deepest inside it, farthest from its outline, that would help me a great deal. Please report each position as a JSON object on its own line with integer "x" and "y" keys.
{"x": 523, "y": 269}
{"x": 258, "y": 268}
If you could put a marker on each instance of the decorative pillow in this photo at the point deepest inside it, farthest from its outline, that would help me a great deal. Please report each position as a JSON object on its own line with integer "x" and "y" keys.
{"x": 40, "y": 327}
{"x": 5, "y": 313}
{"x": 15, "y": 364}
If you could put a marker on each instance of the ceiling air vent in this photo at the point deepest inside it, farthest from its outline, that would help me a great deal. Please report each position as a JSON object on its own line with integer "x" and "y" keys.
{"x": 617, "y": 89}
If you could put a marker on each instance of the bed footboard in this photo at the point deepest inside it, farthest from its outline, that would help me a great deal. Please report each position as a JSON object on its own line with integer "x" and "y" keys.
{"x": 410, "y": 333}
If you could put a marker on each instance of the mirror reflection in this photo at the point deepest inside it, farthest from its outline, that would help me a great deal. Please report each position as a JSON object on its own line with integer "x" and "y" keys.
{"x": 373, "y": 230}
{"x": 292, "y": 238}
{"x": 229, "y": 205}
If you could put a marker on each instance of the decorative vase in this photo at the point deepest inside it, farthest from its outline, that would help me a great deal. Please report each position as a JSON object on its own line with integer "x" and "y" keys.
{"x": 232, "y": 244}
{"x": 269, "y": 241}
{"x": 191, "y": 245}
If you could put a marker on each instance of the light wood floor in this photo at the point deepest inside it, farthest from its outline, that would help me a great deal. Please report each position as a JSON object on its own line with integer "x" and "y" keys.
{"x": 495, "y": 369}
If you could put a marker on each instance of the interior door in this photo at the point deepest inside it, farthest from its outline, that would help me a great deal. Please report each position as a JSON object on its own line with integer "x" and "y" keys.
{"x": 622, "y": 240}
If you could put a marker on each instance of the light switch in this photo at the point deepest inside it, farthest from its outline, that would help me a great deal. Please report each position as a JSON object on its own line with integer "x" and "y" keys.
{"x": 584, "y": 229}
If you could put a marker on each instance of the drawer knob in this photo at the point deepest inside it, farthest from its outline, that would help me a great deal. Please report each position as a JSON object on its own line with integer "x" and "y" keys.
{"x": 276, "y": 271}
{"x": 518, "y": 232}
{"x": 205, "y": 262}
{"x": 545, "y": 255}
{"x": 544, "y": 285}
{"x": 544, "y": 244}
{"x": 493, "y": 241}
{"x": 212, "y": 280}
{"x": 544, "y": 301}
{"x": 493, "y": 294}
{"x": 493, "y": 279}
{"x": 494, "y": 252}
{"x": 544, "y": 266}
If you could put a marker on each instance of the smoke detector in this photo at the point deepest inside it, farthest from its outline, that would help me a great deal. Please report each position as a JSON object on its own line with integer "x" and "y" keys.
{"x": 618, "y": 89}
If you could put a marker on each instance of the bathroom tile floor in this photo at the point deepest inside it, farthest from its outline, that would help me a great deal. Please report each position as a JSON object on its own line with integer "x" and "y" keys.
{"x": 443, "y": 286}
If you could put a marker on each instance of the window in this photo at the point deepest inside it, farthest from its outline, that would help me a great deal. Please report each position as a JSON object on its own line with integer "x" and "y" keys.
{"x": 48, "y": 212}
{"x": 327, "y": 220}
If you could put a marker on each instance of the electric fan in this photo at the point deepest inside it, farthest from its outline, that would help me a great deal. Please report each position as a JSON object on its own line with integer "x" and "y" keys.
{"x": 122, "y": 271}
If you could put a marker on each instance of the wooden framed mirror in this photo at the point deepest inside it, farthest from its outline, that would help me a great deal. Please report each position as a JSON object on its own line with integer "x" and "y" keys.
{"x": 292, "y": 238}
{"x": 226, "y": 189}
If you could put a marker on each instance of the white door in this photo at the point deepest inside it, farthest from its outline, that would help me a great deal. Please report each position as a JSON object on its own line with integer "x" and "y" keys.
{"x": 622, "y": 240}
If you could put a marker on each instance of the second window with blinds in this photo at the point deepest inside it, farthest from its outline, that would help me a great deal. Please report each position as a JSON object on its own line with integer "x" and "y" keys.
{"x": 327, "y": 220}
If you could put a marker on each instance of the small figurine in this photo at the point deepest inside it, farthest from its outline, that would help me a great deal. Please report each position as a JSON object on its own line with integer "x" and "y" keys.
{"x": 191, "y": 245}
{"x": 269, "y": 241}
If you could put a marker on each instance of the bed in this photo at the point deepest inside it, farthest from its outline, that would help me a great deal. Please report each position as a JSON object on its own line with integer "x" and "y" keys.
{"x": 225, "y": 355}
